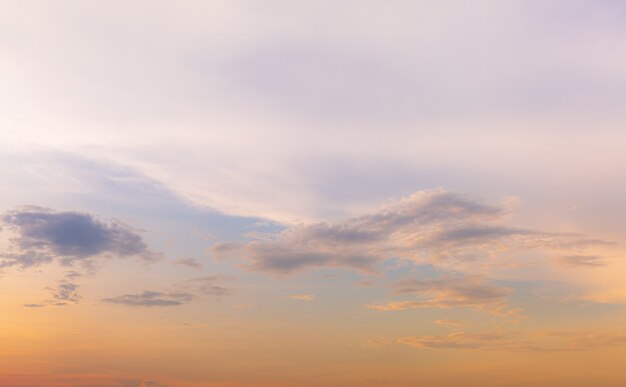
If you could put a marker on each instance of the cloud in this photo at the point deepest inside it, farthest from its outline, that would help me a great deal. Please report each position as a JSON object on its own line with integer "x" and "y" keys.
{"x": 518, "y": 341}
{"x": 582, "y": 261}
{"x": 207, "y": 286}
{"x": 377, "y": 342}
{"x": 466, "y": 292}
{"x": 34, "y": 305}
{"x": 596, "y": 340}
{"x": 43, "y": 235}
{"x": 72, "y": 274}
{"x": 459, "y": 340}
{"x": 151, "y": 299}
{"x": 356, "y": 242}
{"x": 302, "y": 297}
{"x": 185, "y": 292}
{"x": 24, "y": 259}
{"x": 435, "y": 226}
{"x": 64, "y": 293}
{"x": 189, "y": 262}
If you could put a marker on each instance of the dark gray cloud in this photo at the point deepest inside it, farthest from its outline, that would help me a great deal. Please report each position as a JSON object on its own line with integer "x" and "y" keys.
{"x": 42, "y": 236}
{"x": 430, "y": 226}
{"x": 151, "y": 298}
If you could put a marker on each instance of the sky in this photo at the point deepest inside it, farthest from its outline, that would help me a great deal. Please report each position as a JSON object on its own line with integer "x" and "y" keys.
{"x": 312, "y": 193}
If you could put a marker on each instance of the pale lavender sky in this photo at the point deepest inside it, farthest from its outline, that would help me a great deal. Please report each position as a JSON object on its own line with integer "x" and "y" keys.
{"x": 385, "y": 164}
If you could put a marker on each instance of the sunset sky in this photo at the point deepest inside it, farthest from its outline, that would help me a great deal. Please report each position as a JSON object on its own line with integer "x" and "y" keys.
{"x": 313, "y": 193}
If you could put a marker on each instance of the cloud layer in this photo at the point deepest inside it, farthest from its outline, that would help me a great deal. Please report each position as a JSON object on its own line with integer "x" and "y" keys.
{"x": 438, "y": 226}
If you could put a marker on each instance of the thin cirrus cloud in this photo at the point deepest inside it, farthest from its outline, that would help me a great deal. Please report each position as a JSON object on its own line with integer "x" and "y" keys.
{"x": 189, "y": 262}
{"x": 377, "y": 342}
{"x": 462, "y": 340}
{"x": 208, "y": 286}
{"x": 517, "y": 341}
{"x": 436, "y": 226}
{"x": 582, "y": 261}
{"x": 185, "y": 293}
{"x": 150, "y": 298}
{"x": 42, "y": 236}
{"x": 34, "y": 305}
{"x": 467, "y": 292}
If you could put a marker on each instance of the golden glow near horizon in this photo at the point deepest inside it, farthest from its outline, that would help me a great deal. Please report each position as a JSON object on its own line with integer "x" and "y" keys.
{"x": 278, "y": 194}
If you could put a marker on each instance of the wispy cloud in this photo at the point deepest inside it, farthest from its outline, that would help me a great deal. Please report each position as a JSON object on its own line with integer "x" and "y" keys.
{"x": 73, "y": 274}
{"x": 377, "y": 342}
{"x": 582, "y": 261}
{"x": 64, "y": 293}
{"x": 185, "y": 292}
{"x": 462, "y": 340}
{"x": 151, "y": 298}
{"x": 189, "y": 262}
{"x": 518, "y": 341}
{"x": 466, "y": 292}
{"x": 34, "y": 305}
{"x": 207, "y": 286}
